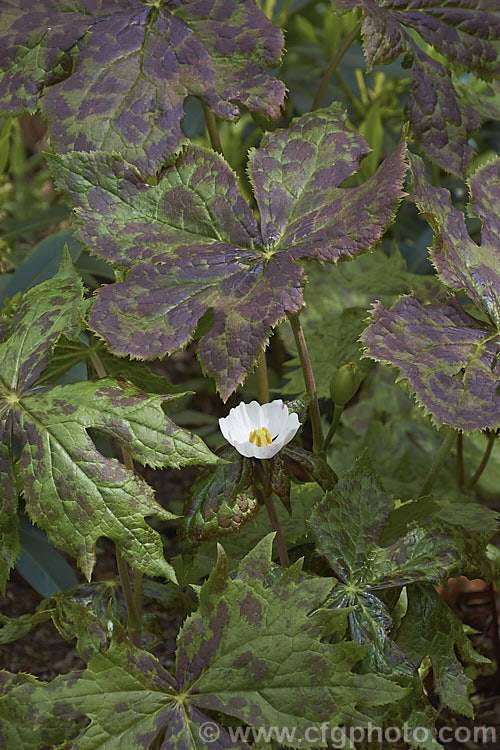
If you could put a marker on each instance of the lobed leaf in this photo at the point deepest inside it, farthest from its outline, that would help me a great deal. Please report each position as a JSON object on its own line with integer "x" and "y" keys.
{"x": 449, "y": 357}
{"x": 71, "y": 490}
{"x": 221, "y": 501}
{"x": 114, "y": 75}
{"x": 373, "y": 549}
{"x": 191, "y": 244}
{"x": 238, "y": 654}
{"x": 431, "y": 629}
{"x": 467, "y": 36}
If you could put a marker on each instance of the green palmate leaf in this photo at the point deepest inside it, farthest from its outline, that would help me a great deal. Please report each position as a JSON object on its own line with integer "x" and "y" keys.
{"x": 59, "y": 461}
{"x": 191, "y": 243}
{"x": 221, "y": 500}
{"x": 431, "y": 629}
{"x": 351, "y": 522}
{"x": 449, "y": 357}
{"x": 238, "y": 654}
{"x": 70, "y": 489}
{"x": 114, "y": 75}
{"x": 355, "y": 532}
{"x": 17, "y": 728}
{"x": 43, "y": 314}
{"x": 465, "y": 34}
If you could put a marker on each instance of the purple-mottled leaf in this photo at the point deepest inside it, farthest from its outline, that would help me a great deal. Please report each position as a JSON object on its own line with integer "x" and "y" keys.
{"x": 70, "y": 489}
{"x": 222, "y": 500}
{"x": 314, "y": 467}
{"x": 466, "y": 33}
{"x": 461, "y": 263}
{"x": 193, "y": 244}
{"x": 114, "y": 75}
{"x": 43, "y": 314}
{"x": 449, "y": 357}
{"x": 440, "y": 120}
{"x": 370, "y": 551}
{"x": 17, "y": 715}
{"x": 431, "y": 629}
{"x": 239, "y": 654}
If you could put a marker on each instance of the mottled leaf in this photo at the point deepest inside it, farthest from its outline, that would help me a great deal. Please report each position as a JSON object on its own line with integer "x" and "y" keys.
{"x": 18, "y": 713}
{"x": 71, "y": 490}
{"x": 239, "y": 654}
{"x": 312, "y": 466}
{"x": 465, "y": 33}
{"x": 461, "y": 263}
{"x": 193, "y": 244}
{"x": 78, "y": 495}
{"x": 43, "y": 314}
{"x": 293, "y": 525}
{"x": 221, "y": 500}
{"x": 13, "y": 628}
{"x": 354, "y": 529}
{"x": 449, "y": 357}
{"x": 431, "y": 629}
{"x": 114, "y": 75}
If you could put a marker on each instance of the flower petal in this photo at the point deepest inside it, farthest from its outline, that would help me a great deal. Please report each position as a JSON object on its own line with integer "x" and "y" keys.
{"x": 250, "y": 417}
{"x": 275, "y": 415}
{"x": 247, "y": 449}
{"x": 245, "y": 418}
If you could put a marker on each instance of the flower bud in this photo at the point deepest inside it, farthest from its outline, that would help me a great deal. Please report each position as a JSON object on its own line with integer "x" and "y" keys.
{"x": 345, "y": 383}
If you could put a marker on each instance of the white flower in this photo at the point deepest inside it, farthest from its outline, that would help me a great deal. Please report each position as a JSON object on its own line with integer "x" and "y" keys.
{"x": 259, "y": 431}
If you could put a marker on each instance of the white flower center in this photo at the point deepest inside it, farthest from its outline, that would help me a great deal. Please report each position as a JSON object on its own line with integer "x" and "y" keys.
{"x": 260, "y": 437}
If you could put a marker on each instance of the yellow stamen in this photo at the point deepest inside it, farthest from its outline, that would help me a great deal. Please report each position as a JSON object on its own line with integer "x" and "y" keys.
{"x": 260, "y": 437}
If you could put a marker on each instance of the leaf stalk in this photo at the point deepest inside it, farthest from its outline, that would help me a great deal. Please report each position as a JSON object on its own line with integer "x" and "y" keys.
{"x": 337, "y": 413}
{"x": 213, "y": 132}
{"x": 484, "y": 460}
{"x": 307, "y": 372}
{"x": 327, "y": 75}
{"x": 438, "y": 462}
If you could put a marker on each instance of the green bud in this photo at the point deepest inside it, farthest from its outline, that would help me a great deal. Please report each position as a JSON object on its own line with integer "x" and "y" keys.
{"x": 345, "y": 383}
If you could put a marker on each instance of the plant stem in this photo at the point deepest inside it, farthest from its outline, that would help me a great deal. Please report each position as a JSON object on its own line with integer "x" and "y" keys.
{"x": 271, "y": 510}
{"x": 276, "y": 526}
{"x": 437, "y": 464}
{"x": 496, "y": 634}
{"x": 327, "y": 76}
{"x": 308, "y": 375}
{"x": 262, "y": 381}
{"x": 99, "y": 367}
{"x": 460, "y": 460}
{"x": 213, "y": 133}
{"x": 133, "y": 599}
{"x": 337, "y": 413}
{"x": 484, "y": 460}
{"x": 133, "y": 615}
